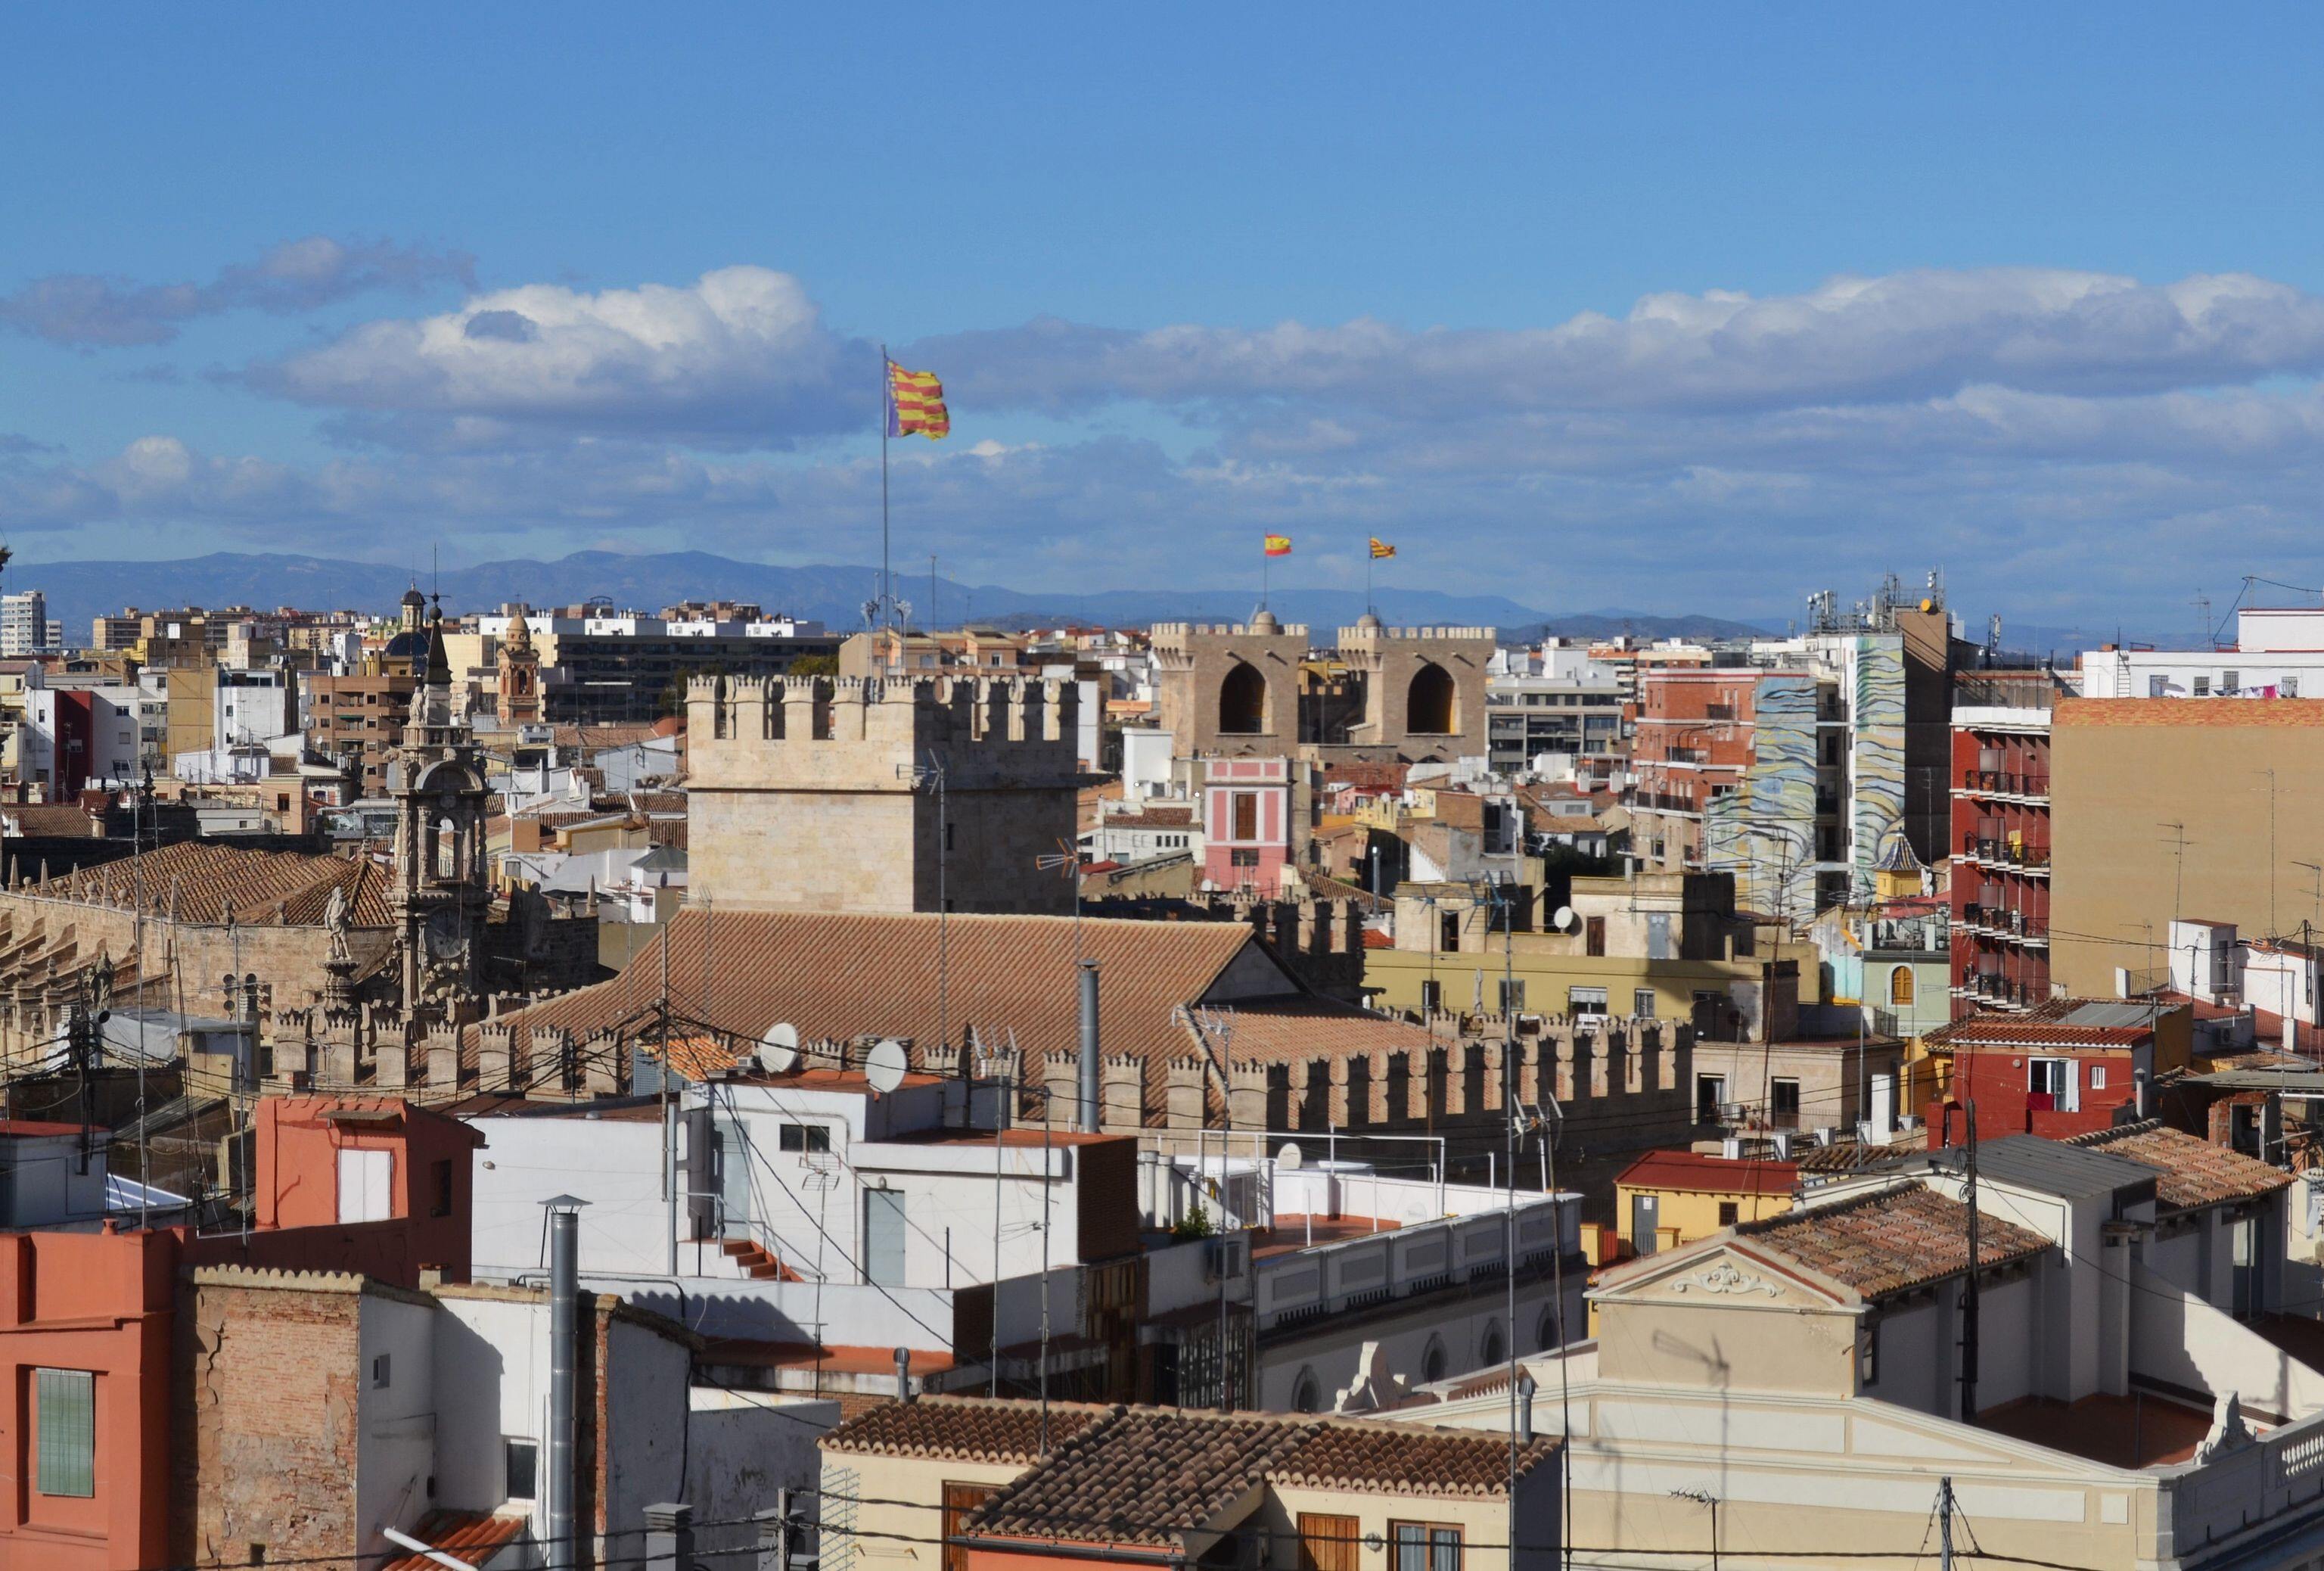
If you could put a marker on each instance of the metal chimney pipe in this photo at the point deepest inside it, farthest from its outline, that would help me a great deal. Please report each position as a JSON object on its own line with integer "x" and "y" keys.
{"x": 903, "y": 1374}
{"x": 1524, "y": 1407}
{"x": 564, "y": 1299}
{"x": 1089, "y": 1119}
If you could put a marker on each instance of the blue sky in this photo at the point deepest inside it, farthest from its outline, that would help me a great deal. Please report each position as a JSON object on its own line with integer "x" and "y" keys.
{"x": 1698, "y": 308}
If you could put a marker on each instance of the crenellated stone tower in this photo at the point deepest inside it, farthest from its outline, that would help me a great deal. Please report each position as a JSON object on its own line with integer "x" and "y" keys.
{"x": 817, "y": 793}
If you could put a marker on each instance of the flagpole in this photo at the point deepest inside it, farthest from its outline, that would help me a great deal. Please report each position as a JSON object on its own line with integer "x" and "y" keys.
{"x": 1368, "y": 607}
{"x": 886, "y": 392}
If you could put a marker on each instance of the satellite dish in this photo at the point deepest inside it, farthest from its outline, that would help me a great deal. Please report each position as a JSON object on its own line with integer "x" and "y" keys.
{"x": 884, "y": 1064}
{"x": 1564, "y": 919}
{"x": 1288, "y": 1157}
{"x": 779, "y": 1048}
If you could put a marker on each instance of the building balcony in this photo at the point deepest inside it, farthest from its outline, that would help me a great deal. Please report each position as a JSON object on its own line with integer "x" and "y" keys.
{"x": 1988, "y": 851}
{"x": 2009, "y": 783}
{"x": 2002, "y": 922}
{"x": 2001, "y": 992}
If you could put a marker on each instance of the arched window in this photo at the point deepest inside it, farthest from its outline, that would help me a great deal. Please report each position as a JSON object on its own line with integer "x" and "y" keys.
{"x": 1490, "y": 1348}
{"x": 1545, "y": 1333}
{"x": 1431, "y": 1361}
{"x": 1242, "y": 701}
{"x": 1306, "y": 1394}
{"x": 1432, "y": 704}
{"x": 1900, "y": 987}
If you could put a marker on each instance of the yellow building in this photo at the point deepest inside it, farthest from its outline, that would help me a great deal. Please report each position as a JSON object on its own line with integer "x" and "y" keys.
{"x": 1666, "y": 1198}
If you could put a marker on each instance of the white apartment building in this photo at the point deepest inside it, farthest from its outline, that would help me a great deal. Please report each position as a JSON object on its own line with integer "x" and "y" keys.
{"x": 2276, "y": 654}
{"x": 23, "y": 624}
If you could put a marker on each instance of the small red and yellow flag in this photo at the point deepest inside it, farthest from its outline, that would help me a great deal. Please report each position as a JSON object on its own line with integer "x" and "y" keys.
{"x": 916, "y": 404}
{"x": 1278, "y": 545}
{"x": 1381, "y": 550}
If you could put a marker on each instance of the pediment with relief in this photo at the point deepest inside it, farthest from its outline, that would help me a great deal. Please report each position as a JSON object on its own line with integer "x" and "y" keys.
{"x": 1716, "y": 1277}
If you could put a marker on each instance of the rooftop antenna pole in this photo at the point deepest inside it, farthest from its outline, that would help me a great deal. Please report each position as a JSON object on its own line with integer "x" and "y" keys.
{"x": 2178, "y": 843}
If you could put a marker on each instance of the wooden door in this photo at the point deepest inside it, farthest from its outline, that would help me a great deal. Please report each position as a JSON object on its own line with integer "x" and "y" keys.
{"x": 959, "y": 1503}
{"x": 1326, "y": 1543}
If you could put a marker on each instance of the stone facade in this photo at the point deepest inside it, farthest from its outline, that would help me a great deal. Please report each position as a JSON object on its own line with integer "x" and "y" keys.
{"x": 1424, "y": 689}
{"x": 1246, "y": 690}
{"x": 811, "y": 794}
{"x": 1227, "y": 690}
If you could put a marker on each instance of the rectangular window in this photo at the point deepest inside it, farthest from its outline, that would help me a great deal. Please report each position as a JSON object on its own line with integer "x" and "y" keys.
{"x": 1642, "y": 1002}
{"x": 2046, "y": 1077}
{"x": 1245, "y": 816}
{"x": 1585, "y": 1001}
{"x": 1243, "y": 858}
{"x": 805, "y": 1137}
{"x": 363, "y": 1180}
{"x": 1709, "y": 1092}
{"x": 520, "y": 1468}
{"x": 380, "y": 1369}
{"x": 2202, "y": 687}
{"x": 440, "y": 1182}
{"x": 1593, "y": 935}
{"x": 2158, "y": 687}
{"x": 1512, "y": 995}
{"x": 1731, "y": 1212}
{"x": 1432, "y": 997}
{"x": 2289, "y": 688}
{"x": 2230, "y": 682}
{"x": 65, "y": 1421}
{"x": 1423, "y": 1547}
{"x": 1783, "y": 1103}
{"x": 1448, "y": 931}
{"x": 2098, "y": 1081}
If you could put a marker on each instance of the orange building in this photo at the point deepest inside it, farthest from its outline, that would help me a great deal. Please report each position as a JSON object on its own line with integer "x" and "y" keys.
{"x": 373, "y": 1185}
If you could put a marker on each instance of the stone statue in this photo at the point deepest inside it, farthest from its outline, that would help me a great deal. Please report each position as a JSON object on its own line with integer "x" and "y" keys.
{"x": 337, "y": 918}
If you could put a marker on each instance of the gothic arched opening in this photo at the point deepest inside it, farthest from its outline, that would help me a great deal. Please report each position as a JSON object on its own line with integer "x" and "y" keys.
{"x": 1242, "y": 701}
{"x": 1431, "y": 703}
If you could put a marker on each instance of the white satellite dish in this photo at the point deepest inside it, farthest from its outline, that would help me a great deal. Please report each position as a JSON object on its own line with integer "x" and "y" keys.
{"x": 885, "y": 1064}
{"x": 1564, "y": 919}
{"x": 1288, "y": 1157}
{"x": 779, "y": 1048}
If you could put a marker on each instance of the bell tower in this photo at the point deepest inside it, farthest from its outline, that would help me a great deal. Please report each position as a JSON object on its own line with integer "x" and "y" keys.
{"x": 439, "y": 894}
{"x": 519, "y": 671}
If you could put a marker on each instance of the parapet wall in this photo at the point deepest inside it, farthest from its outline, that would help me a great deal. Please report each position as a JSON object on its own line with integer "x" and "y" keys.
{"x": 760, "y": 731}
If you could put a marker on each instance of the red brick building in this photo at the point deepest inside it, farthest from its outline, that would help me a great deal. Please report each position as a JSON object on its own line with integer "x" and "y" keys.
{"x": 2001, "y": 851}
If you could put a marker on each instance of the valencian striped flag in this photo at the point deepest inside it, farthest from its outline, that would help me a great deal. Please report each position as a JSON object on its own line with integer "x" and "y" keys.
{"x": 916, "y": 404}
{"x": 1278, "y": 545}
{"x": 1381, "y": 550}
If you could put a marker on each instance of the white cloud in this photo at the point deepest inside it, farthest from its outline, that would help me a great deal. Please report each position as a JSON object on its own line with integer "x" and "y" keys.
{"x": 739, "y": 356}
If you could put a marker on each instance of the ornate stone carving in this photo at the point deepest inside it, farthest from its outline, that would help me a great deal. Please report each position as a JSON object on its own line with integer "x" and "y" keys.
{"x": 1726, "y": 1277}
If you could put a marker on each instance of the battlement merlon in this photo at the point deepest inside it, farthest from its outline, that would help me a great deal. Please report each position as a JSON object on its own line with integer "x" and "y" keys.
{"x": 1364, "y": 637}
{"x": 921, "y": 712}
{"x": 1177, "y": 634}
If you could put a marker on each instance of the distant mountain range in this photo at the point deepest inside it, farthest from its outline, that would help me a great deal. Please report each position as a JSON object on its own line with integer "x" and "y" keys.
{"x": 80, "y": 591}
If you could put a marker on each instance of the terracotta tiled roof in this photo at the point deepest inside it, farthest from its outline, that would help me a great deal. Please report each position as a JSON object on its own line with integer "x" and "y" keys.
{"x": 1150, "y": 819}
{"x": 473, "y": 1536}
{"x": 208, "y": 879}
{"x": 66, "y": 818}
{"x": 1698, "y": 1173}
{"x": 1887, "y": 1241}
{"x": 2073, "y": 714}
{"x": 840, "y": 976}
{"x": 1150, "y": 1475}
{"x": 2193, "y": 1173}
{"x": 963, "y": 1428}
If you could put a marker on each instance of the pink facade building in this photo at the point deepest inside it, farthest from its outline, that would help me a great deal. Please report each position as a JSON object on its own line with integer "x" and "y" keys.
{"x": 1246, "y": 823}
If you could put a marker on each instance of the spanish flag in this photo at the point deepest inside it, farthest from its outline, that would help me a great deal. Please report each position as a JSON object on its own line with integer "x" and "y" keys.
{"x": 915, "y": 405}
{"x": 1278, "y": 545}
{"x": 1381, "y": 550}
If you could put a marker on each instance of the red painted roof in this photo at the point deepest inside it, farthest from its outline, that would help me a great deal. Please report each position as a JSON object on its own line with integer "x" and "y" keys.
{"x": 1694, "y": 1170}
{"x": 35, "y": 1129}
